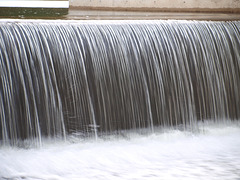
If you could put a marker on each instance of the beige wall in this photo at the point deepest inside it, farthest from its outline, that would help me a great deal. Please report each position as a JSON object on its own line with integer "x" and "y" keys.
{"x": 192, "y": 5}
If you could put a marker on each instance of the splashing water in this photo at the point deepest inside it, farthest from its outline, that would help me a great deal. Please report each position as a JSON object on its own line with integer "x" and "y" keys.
{"x": 211, "y": 154}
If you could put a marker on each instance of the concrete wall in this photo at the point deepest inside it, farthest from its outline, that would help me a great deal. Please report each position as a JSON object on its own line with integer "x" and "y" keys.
{"x": 159, "y": 5}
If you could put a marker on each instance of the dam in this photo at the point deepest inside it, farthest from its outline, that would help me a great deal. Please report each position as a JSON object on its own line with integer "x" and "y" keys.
{"x": 123, "y": 94}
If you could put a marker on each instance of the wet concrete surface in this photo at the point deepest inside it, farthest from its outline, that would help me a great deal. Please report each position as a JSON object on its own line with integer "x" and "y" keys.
{"x": 74, "y": 14}
{"x": 78, "y": 14}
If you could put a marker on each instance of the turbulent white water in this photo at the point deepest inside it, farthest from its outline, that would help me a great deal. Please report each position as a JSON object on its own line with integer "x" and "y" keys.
{"x": 213, "y": 153}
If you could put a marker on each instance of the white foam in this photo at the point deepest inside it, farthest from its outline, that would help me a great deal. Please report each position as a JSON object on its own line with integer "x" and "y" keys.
{"x": 211, "y": 154}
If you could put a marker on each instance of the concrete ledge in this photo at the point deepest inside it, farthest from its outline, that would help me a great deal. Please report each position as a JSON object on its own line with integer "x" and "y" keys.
{"x": 226, "y": 6}
{"x": 199, "y": 10}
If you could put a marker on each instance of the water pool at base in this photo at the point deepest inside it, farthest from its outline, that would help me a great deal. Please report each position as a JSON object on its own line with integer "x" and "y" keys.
{"x": 211, "y": 154}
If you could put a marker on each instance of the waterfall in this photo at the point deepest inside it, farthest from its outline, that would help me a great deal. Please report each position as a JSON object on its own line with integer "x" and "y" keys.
{"x": 98, "y": 77}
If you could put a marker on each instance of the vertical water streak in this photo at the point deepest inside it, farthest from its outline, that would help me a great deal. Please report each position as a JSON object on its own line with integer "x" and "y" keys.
{"x": 104, "y": 77}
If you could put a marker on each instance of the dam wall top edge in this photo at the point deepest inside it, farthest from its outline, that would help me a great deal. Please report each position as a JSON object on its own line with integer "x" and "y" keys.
{"x": 230, "y": 6}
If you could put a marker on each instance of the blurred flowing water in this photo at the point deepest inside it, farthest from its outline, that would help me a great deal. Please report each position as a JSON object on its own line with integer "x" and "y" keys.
{"x": 126, "y": 84}
{"x": 167, "y": 154}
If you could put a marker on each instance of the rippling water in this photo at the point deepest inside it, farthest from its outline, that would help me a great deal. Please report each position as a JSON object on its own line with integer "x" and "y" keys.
{"x": 212, "y": 153}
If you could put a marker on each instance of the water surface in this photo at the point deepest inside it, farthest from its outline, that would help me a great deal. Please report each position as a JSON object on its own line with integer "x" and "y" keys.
{"x": 212, "y": 153}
